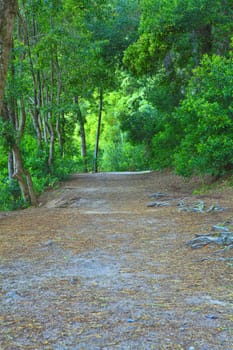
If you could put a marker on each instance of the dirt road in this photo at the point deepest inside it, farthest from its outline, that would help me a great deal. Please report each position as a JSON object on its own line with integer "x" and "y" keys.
{"x": 95, "y": 267}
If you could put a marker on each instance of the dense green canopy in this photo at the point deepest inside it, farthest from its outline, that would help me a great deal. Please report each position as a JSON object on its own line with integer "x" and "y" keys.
{"x": 116, "y": 85}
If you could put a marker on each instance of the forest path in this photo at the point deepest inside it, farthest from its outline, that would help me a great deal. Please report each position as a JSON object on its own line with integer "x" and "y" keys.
{"x": 94, "y": 267}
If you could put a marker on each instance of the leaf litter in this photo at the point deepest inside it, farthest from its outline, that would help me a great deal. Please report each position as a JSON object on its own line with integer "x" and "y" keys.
{"x": 111, "y": 273}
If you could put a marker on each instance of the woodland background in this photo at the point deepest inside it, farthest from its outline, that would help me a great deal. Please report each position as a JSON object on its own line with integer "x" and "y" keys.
{"x": 100, "y": 85}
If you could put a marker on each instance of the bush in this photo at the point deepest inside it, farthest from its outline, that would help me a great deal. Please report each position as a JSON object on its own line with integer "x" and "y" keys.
{"x": 124, "y": 157}
{"x": 10, "y": 198}
{"x": 166, "y": 141}
{"x": 206, "y": 117}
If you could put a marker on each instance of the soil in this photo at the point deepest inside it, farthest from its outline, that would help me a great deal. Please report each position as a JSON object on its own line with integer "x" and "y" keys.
{"x": 95, "y": 267}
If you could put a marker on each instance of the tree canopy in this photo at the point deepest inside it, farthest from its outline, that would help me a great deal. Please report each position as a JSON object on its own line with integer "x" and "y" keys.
{"x": 115, "y": 85}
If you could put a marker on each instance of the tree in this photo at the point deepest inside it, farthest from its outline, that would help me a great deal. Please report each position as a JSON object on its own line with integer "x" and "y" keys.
{"x": 176, "y": 34}
{"x": 206, "y": 118}
{"x": 8, "y": 10}
{"x": 113, "y": 31}
{"x": 13, "y": 128}
{"x": 173, "y": 38}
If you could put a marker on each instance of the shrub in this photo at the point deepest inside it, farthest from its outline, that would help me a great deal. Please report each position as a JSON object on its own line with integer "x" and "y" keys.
{"x": 206, "y": 117}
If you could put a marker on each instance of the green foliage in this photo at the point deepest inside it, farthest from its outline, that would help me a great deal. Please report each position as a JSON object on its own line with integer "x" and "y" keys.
{"x": 135, "y": 110}
{"x": 139, "y": 119}
{"x": 116, "y": 28}
{"x": 173, "y": 37}
{"x": 165, "y": 141}
{"x": 36, "y": 163}
{"x": 169, "y": 105}
{"x": 206, "y": 116}
{"x": 177, "y": 33}
{"x": 124, "y": 157}
{"x": 7, "y": 134}
{"x": 10, "y": 198}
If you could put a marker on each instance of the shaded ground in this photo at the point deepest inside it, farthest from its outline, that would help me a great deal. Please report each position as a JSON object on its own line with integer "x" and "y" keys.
{"x": 95, "y": 268}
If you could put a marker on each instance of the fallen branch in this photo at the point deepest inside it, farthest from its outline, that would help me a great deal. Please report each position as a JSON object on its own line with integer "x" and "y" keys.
{"x": 184, "y": 204}
{"x": 157, "y": 195}
{"x": 157, "y": 204}
{"x": 198, "y": 207}
{"x": 220, "y": 238}
{"x": 214, "y": 259}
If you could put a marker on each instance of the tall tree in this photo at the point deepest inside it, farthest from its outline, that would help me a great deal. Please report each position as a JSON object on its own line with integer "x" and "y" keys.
{"x": 113, "y": 30}
{"x": 173, "y": 37}
{"x": 8, "y": 10}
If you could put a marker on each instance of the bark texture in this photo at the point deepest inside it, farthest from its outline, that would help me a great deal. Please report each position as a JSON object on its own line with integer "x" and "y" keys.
{"x": 8, "y": 10}
{"x": 81, "y": 122}
{"x": 96, "y": 151}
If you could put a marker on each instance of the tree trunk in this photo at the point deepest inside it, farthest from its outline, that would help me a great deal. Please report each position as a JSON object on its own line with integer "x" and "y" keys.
{"x": 60, "y": 116}
{"x": 96, "y": 151}
{"x": 23, "y": 177}
{"x": 60, "y": 134}
{"x": 8, "y": 10}
{"x": 15, "y": 160}
{"x": 51, "y": 146}
{"x": 10, "y": 165}
{"x": 37, "y": 89}
{"x": 81, "y": 122}
{"x": 50, "y": 129}
{"x": 19, "y": 173}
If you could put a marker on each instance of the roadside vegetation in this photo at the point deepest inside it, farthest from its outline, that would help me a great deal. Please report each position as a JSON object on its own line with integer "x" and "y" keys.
{"x": 118, "y": 85}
